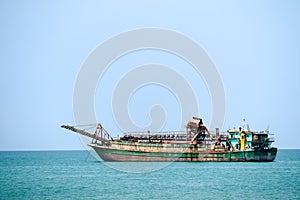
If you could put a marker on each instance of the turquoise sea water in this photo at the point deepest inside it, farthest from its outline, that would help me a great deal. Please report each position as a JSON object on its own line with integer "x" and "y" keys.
{"x": 77, "y": 175}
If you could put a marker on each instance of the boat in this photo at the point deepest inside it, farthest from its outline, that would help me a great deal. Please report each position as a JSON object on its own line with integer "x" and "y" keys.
{"x": 195, "y": 144}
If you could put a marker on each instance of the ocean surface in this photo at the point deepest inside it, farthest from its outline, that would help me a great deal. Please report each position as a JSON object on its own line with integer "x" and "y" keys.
{"x": 78, "y": 175}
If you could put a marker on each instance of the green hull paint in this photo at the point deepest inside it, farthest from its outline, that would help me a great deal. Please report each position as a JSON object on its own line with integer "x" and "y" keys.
{"x": 110, "y": 154}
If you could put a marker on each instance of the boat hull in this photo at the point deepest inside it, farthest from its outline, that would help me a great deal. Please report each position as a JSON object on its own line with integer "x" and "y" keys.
{"x": 122, "y": 155}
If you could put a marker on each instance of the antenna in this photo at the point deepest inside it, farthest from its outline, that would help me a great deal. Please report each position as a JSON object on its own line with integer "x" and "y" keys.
{"x": 268, "y": 129}
{"x": 244, "y": 120}
{"x": 248, "y": 127}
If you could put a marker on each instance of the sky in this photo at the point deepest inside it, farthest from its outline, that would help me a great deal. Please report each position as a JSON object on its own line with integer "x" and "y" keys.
{"x": 254, "y": 46}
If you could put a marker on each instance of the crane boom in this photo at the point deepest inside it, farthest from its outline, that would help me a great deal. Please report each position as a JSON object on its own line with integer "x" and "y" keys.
{"x": 99, "y": 135}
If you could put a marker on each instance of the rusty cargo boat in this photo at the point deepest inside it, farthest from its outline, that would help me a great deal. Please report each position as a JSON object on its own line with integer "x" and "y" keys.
{"x": 196, "y": 143}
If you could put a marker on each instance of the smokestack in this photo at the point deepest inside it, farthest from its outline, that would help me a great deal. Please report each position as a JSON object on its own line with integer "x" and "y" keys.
{"x": 217, "y": 132}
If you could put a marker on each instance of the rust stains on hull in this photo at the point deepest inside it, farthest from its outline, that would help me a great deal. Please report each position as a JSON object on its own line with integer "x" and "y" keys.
{"x": 170, "y": 155}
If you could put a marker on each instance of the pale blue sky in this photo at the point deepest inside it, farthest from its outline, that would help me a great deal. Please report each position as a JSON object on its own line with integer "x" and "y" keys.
{"x": 255, "y": 46}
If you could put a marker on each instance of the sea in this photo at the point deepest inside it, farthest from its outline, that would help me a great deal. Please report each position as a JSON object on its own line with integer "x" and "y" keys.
{"x": 78, "y": 175}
